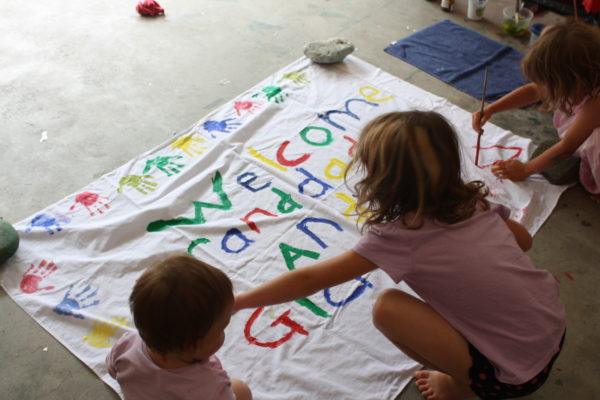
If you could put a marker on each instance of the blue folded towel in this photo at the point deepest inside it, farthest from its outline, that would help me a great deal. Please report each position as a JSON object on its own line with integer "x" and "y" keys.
{"x": 459, "y": 56}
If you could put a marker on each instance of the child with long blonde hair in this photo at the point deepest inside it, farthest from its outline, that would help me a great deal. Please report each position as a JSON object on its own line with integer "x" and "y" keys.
{"x": 488, "y": 322}
{"x": 564, "y": 67}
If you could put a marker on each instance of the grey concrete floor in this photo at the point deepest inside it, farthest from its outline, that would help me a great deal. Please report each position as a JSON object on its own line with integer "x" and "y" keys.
{"x": 107, "y": 85}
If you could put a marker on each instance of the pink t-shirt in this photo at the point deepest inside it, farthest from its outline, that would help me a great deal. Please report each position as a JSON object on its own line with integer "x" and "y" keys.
{"x": 140, "y": 378}
{"x": 588, "y": 151}
{"x": 474, "y": 274}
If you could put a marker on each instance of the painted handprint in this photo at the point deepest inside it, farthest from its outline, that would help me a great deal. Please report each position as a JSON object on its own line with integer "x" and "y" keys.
{"x": 249, "y": 106}
{"x": 48, "y": 222}
{"x": 92, "y": 202}
{"x": 190, "y": 144}
{"x": 141, "y": 183}
{"x": 71, "y": 305}
{"x": 298, "y": 77}
{"x": 273, "y": 93}
{"x": 102, "y": 331}
{"x": 165, "y": 164}
{"x": 30, "y": 283}
{"x": 221, "y": 126}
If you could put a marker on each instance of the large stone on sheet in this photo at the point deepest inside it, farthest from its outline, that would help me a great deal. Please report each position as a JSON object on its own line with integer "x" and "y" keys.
{"x": 328, "y": 51}
{"x": 563, "y": 173}
{"x": 9, "y": 240}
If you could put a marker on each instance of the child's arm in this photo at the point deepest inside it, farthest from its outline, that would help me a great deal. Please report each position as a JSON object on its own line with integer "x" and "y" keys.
{"x": 305, "y": 281}
{"x": 583, "y": 126}
{"x": 523, "y": 237}
{"x": 525, "y": 95}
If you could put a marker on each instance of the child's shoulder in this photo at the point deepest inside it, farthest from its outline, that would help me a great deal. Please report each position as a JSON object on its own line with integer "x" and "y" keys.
{"x": 123, "y": 349}
{"x": 129, "y": 337}
{"x": 409, "y": 224}
{"x": 129, "y": 340}
{"x": 587, "y": 113}
{"x": 483, "y": 212}
{"x": 501, "y": 210}
{"x": 591, "y": 101}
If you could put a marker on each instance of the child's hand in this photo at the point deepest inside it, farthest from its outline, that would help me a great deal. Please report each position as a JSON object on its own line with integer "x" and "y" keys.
{"x": 511, "y": 169}
{"x": 478, "y": 120}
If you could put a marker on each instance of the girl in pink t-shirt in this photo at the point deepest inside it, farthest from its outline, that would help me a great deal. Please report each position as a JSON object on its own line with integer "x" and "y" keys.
{"x": 564, "y": 67}
{"x": 488, "y": 323}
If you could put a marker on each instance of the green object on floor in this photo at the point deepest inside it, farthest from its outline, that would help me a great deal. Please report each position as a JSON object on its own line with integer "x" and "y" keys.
{"x": 563, "y": 173}
{"x": 9, "y": 241}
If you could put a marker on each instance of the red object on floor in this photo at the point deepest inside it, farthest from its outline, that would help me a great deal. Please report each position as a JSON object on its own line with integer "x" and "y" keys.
{"x": 149, "y": 8}
{"x": 591, "y": 6}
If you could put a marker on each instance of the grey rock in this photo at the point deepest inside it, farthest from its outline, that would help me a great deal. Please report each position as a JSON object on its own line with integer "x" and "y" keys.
{"x": 328, "y": 51}
{"x": 563, "y": 173}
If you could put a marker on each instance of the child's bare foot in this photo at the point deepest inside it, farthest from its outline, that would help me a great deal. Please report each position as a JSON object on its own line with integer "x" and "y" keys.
{"x": 435, "y": 385}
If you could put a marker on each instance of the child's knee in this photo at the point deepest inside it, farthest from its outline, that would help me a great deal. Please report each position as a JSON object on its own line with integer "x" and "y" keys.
{"x": 241, "y": 390}
{"x": 384, "y": 307}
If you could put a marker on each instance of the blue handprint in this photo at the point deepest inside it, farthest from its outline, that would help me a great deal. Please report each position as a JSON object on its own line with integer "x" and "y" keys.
{"x": 70, "y": 305}
{"x": 47, "y": 222}
{"x": 220, "y": 126}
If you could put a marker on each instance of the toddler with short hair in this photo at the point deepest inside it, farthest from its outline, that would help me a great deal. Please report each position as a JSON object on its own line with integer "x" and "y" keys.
{"x": 181, "y": 307}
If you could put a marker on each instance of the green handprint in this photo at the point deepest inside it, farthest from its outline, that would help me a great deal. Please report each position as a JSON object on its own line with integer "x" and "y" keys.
{"x": 273, "y": 93}
{"x": 103, "y": 330}
{"x": 298, "y": 77}
{"x": 163, "y": 163}
{"x": 139, "y": 182}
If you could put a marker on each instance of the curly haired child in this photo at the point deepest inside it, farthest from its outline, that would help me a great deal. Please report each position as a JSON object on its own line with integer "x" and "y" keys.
{"x": 487, "y": 322}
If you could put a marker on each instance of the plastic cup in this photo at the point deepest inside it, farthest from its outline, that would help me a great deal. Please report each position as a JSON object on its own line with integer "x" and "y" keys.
{"x": 536, "y": 31}
{"x": 475, "y": 9}
{"x": 516, "y": 26}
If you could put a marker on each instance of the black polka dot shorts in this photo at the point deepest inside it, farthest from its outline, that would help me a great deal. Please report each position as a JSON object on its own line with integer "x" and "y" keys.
{"x": 485, "y": 384}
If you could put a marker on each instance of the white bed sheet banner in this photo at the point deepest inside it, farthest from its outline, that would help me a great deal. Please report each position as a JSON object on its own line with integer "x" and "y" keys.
{"x": 255, "y": 188}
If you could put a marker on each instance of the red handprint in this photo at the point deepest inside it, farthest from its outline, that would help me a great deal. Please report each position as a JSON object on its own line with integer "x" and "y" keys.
{"x": 34, "y": 275}
{"x": 249, "y": 106}
{"x": 88, "y": 199}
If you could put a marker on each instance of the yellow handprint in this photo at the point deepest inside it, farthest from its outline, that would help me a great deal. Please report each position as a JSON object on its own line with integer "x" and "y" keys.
{"x": 141, "y": 183}
{"x": 103, "y": 330}
{"x": 189, "y": 144}
{"x": 296, "y": 76}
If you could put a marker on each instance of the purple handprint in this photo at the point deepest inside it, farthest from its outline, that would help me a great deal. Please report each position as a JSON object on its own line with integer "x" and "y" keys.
{"x": 70, "y": 305}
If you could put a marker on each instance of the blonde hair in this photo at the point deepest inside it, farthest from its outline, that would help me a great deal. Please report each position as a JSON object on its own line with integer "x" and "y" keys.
{"x": 177, "y": 301}
{"x": 411, "y": 164}
{"x": 565, "y": 61}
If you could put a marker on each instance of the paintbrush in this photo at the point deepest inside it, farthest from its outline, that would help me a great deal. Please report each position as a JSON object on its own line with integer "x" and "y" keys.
{"x": 485, "y": 78}
{"x": 517, "y": 9}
